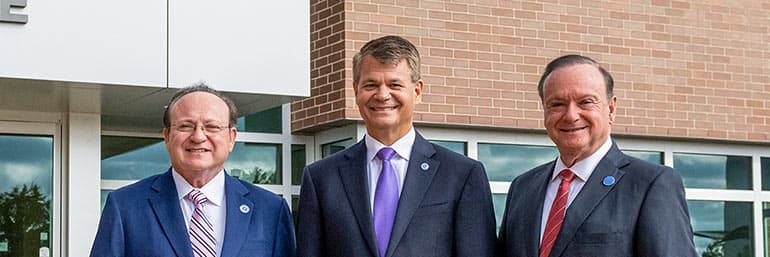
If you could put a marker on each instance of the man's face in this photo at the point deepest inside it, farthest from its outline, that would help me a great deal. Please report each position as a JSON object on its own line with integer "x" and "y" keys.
{"x": 578, "y": 115}
{"x": 198, "y": 151}
{"x": 386, "y": 95}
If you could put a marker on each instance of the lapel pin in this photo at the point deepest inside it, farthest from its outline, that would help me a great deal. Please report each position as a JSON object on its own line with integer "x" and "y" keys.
{"x": 244, "y": 208}
{"x": 608, "y": 181}
{"x": 424, "y": 166}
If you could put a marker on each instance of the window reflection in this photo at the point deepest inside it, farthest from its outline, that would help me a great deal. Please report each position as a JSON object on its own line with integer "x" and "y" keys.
{"x": 505, "y": 162}
{"x": 714, "y": 171}
{"x": 133, "y": 158}
{"x": 498, "y": 201}
{"x": 722, "y": 228}
{"x": 298, "y": 160}
{"x": 653, "y": 157}
{"x": 255, "y": 163}
{"x": 333, "y": 147}
{"x": 26, "y": 173}
{"x": 457, "y": 147}
{"x": 765, "y": 163}
{"x": 267, "y": 121}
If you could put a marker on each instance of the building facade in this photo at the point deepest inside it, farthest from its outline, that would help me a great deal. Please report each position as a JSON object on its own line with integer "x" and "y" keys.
{"x": 83, "y": 89}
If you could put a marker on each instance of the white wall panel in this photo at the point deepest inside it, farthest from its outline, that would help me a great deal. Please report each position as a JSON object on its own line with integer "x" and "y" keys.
{"x": 241, "y": 45}
{"x": 114, "y": 42}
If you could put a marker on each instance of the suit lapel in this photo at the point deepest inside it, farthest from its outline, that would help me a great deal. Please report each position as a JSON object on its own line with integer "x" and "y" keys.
{"x": 165, "y": 205}
{"x": 590, "y": 196}
{"x": 237, "y": 221}
{"x": 416, "y": 184}
{"x": 355, "y": 181}
{"x": 534, "y": 219}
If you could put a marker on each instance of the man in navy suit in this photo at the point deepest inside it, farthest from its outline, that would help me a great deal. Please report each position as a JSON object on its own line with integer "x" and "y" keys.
{"x": 394, "y": 194}
{"x": 195, "y": 208}
{"x": 593, "y": 200}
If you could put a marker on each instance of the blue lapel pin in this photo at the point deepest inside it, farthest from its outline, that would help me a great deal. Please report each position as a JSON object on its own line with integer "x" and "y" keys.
{"x": 608, "y": 181}
{"x": 244, "y": 208}
{"x": 424, "y": 166}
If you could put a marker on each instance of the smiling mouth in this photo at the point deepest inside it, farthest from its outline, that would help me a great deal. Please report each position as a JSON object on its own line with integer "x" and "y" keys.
{"x": 569, "y": 130}
{"x": 380, "y": 109}
{"x": 198, "y": 150}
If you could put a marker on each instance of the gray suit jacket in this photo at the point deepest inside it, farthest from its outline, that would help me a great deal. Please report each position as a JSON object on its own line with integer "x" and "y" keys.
{"x": 444, "y": 210}
{"x": 644, "y": 213}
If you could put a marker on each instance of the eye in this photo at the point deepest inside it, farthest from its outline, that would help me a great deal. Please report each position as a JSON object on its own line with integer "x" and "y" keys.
{"x": 213, "y": 128}
{"x": 185, "y": 127}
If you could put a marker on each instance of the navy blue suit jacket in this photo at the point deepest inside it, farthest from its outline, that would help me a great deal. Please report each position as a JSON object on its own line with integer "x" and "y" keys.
{"x": 444, "y": 210}
{"x": 644, "y": 213}
{"x": 144, "y": 219}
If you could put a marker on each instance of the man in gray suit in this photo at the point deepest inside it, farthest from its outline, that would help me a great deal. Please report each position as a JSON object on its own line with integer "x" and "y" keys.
{"x": 394, "y": 194}
{"x": 593, "y": 200}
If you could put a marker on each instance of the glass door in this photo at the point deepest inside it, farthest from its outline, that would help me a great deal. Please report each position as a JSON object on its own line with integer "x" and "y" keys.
{"x": 26, "y": 189}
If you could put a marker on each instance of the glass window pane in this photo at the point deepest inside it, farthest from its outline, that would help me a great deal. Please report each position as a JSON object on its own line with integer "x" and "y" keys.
{"x": 498, "y": 201}
{"x": 722, "y": 228}
{"x": 26, "y": 174}
{"x": 765, "y": 162}
{"x": 457, "y": 147}
{"x": 714, "y": 171}
{"x": 104, "y": 197}
{"x": 267, "y": 121}
{"x": 333, "y": 147}
{"x": 653, "y": 157}
{"x": 505, "y": 162}
{"x": 297, "y": 163}
{"x": 255, "y": 163}
{"x": 133, "y": 158}
{"x": 766, "y": 227}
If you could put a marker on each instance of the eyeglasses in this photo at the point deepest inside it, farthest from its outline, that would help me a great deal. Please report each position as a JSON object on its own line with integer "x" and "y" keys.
{"x": 207, "y": 128}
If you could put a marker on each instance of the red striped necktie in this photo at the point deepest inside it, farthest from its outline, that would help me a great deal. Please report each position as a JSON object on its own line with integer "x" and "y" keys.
{"x": 556, "y": 216}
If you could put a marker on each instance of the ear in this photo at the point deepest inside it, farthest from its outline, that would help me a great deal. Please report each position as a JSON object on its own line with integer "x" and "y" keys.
{"x": 612, "y": 105}
{"x": 165, "y": 134}
{"x": 418, "y": 90}
{"x": 233, "y": 133}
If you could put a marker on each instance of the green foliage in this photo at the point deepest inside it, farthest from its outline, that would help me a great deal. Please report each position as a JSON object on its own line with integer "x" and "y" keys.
{"x": 24, "y": 214}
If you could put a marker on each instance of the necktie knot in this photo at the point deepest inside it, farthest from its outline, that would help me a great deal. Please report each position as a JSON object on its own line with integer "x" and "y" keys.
{"x": 567, "y": 175}
{"x": 196, "y": 197}
{"x": 386, "y": 153}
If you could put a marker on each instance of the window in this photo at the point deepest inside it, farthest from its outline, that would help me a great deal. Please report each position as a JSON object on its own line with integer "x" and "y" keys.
{"x": 26, "y": 197}
{"x": 505, "y": 162}
{"x": 653, "y": 157}
{"x": 714, "y": 171}
{"x": 267, "y": 121}
{"x": 457, "y": 147}
{"x": 255, "y": 163}
{"x": 133, "y": 158}
{"x": 722, "y": 228}
{"x": 334, "y": 147}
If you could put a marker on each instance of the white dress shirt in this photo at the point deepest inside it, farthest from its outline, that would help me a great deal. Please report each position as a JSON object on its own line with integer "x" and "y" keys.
{"x": 214, "y": 190}
{"x": 403, "y": 148}
{"x": 582, "y": 169}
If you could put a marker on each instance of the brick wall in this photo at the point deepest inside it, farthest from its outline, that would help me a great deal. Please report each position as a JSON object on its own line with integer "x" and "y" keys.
{"x": 682, "y": 69}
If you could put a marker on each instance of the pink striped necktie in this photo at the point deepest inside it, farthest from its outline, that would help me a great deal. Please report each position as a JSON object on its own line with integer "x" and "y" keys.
{"x": 201, "y": 230}
{"x": 556, "y": 216}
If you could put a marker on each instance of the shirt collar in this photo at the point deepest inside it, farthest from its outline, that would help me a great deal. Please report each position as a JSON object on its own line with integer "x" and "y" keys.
{"x": 214, "y": 190}
{"x": 403, "y": 146}
{"x": 584, "y": 168}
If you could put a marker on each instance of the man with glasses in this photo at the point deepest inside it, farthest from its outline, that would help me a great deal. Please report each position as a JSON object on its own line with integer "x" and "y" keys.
{"x": 193, "y": 207}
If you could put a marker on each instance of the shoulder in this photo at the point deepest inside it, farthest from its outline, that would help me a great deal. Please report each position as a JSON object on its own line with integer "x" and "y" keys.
{"x": 445, "y": 155}
{"x": 139, "y": 188}
{"x": 260, "y": 195}
{"x": 645, "y": 171}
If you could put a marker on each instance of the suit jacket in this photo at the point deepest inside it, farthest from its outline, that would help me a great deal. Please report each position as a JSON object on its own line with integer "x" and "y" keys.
{"x": 144, "y": 219}
{"x": 445, "y": 207}
{"x": 643, "y": 213}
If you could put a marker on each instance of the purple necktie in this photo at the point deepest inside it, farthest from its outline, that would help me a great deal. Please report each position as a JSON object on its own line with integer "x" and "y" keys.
{"x": 385, "y": 200}
{"x": 201, "y": 230}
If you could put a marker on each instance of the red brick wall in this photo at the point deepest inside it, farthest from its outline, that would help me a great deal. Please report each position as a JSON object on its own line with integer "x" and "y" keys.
{"x": 682, "y": 69}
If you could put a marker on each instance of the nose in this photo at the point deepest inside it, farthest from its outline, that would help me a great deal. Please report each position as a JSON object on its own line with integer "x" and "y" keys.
{"x": 572, "y": 113}
{"x": 382, "y": 93}
{"x": 198, "y": 134}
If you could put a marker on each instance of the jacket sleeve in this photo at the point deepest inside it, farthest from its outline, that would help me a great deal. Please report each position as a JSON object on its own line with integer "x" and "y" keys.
{"x": 475, "y": 217}
{"x": 664, "y": 226}
{"x": 309, "y": 225}
{"x": 285, "y": 246}
{"x": 110, "y": 240}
